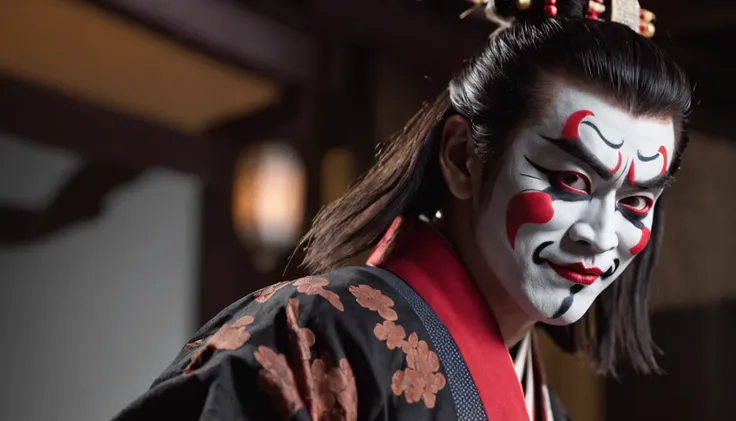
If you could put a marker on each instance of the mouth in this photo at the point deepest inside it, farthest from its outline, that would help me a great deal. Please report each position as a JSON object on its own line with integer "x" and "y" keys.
{"x": 577, "y": 272}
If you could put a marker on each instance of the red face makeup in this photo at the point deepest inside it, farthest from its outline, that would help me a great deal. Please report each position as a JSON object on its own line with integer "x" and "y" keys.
{"x": 572, "y": 205}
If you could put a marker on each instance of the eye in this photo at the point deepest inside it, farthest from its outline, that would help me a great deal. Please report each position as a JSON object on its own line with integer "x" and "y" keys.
{"x": 638, "y": 205}
{"x": 572, "y": 182}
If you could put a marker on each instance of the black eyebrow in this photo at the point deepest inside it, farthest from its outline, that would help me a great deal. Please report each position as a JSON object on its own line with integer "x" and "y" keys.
{"x": 582, "y": 153}
{"x": 603, "y": 138}
{"x": 659, "y": 182}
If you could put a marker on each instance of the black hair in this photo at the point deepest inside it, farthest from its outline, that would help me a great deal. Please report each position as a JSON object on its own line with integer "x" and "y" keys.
{"x": 498, "y": 91}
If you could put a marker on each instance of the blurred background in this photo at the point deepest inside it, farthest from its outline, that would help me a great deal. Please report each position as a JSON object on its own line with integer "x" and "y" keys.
{"x": 160, "y": 158}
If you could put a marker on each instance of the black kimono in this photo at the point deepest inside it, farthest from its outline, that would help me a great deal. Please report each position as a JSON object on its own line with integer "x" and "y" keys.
{"x": 407, "y": 337}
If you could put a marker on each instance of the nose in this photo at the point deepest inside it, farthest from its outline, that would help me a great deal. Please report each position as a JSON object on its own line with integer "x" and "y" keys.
{"x": 597, "y": 232}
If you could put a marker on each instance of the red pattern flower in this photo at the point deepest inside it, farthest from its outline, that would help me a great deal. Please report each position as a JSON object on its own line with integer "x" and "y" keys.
{"x": 315, "y": 286}
{"x": 329, "y": 392}
{"x": 374, "y": 300}
{"x": 229, "y": 337}
{"x": 192, "y": 345}
{"x": 264, "y": 294}
{"x": 407, "y": 382}
{"x": 420, "y": 380}
{"x": 277, "y": 379}
{"x": 391, "y": 333}
{"x": 304, "y": 337}
{"x": 336, "y": 392}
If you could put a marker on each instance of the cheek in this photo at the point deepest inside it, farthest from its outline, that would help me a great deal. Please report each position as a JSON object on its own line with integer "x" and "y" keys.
{"x": 527, "y": 208}
{"x": 634, "y": 239}
{"x": 646, "y": 233}
{"x": 532, "y": 212}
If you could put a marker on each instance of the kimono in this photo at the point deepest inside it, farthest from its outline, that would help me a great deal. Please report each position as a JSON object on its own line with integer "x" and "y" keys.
{"x": 406, "y": 337}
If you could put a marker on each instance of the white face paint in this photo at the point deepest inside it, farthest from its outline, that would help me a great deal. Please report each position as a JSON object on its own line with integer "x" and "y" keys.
{"x": 573, "y": 203}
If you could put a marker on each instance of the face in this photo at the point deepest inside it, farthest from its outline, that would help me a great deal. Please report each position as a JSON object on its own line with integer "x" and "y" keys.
{"x": 573, "y": 203}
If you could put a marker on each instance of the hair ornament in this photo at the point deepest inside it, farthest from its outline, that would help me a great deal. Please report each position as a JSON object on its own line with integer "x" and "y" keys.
{"x": 489, "y": 9}
{"x": 626, "y": 12}
{"x": 595, "y": 9}
{"x": 630, "y": 13}
{"x": 523, "y": 4}
{"x": 550, "y": 8}
{"x": 646, "y": 23}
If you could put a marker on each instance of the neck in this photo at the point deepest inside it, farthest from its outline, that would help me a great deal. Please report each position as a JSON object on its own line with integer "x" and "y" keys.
{"x": 512, "y": 321}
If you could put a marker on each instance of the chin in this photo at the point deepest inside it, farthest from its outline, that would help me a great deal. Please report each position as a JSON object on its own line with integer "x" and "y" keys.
{"x": 566, "y": 319}
{"x": 545, "y": 306}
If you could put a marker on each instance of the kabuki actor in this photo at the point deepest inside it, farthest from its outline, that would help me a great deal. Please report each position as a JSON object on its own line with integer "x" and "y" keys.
{"x": 527, "y": 195}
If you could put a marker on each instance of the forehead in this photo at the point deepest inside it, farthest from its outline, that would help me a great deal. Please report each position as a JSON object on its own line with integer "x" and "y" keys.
{"x": 638, "y": 133}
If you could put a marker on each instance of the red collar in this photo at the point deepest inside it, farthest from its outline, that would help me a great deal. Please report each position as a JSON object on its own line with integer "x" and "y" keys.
{"x": 415, "y": 253}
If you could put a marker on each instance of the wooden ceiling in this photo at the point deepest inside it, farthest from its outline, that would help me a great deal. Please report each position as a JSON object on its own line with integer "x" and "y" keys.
{"x": 191, "y": 62}
{"x": 83, "y": 51}
{"x": 188, "y": 64}
{"x": 281, "y": 38}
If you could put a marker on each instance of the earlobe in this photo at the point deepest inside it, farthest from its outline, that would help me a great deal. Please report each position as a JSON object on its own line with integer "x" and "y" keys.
{"x": 455, "y": 150}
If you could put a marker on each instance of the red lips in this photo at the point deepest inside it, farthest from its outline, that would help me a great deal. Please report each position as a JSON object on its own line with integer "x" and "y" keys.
{"x": 577, "y": 272}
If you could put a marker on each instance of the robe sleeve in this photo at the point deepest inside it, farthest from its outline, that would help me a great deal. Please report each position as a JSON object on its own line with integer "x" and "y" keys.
{"x": 293, "y": 351}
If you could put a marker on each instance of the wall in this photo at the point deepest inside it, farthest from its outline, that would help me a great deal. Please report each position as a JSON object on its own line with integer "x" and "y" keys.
{"x": 93, "y": 314}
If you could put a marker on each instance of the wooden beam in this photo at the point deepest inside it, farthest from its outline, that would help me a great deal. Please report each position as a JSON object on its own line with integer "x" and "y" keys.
{"x": 42, "y": 115}
{"x": 81, "y": 199}
{"x": 270, "y": 35}
{"x": 231, "y": 32}
{"x": 438, "y": 44}
{"x": 275, "y": 36}
{"x": 271, "y": 122}
{"x": 350, "y": 110}
{"x": 441, "y": 43}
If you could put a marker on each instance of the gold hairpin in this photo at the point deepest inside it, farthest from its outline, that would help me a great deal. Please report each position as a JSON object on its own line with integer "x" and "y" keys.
{"x": 595, "y": 9}
{"x": 630, "y": 13}
{"x": 627, "y": 12}
{"x": 523, "y": 4}
{"x": 646, "y": 25}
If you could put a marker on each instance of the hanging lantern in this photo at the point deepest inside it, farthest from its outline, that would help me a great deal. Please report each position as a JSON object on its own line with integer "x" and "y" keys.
{"x": 269, "y": 195}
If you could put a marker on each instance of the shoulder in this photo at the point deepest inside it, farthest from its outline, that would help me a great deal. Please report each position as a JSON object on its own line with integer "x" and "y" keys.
{"x": 343, "y": 293}
{"x": 307, "y": 345}
{"x": 346, "y": 304}
{"x": 344, "y": 308}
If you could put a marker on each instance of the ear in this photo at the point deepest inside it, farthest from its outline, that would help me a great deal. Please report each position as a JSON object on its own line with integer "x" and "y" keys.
{"x": 457, "y": 153}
